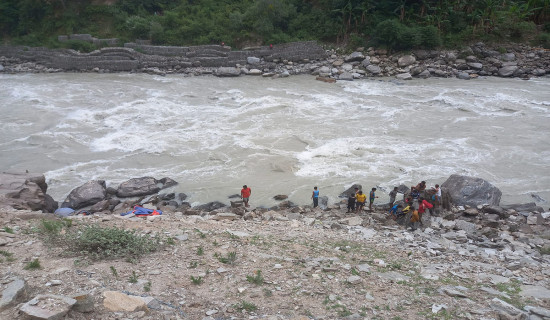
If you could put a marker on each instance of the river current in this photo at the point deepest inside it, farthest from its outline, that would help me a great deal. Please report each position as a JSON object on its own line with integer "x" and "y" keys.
{"x": 278, "y": 136}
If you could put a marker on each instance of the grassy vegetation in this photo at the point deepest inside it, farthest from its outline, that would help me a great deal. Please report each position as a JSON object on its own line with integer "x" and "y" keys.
{"x": 244, "y": 305}
{"x": 97, "y": 243}
{"x": 33, "y": 265}
{"x": 256, "y": 279}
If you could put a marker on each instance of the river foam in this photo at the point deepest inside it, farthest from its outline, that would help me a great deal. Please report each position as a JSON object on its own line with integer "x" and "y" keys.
{"x": 278, "y": 136}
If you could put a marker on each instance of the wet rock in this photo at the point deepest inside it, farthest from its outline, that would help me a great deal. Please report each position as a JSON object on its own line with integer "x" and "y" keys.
{"x": 464, "y": 190}
{"x": 501, "y": 212}
{"x": 280, "y": 197}
{"x": 227, "y": 72}
{"x": 47, "y": 307}
{"x": 210, "y": 206}
{"x": 374, "y": 69}
{"x": 404, "y": 76}
{"x": 524, "y": 207}
{"x": 355, "y": 56}
{"x": 507, "y": 71}
{"x": 87, "y": 194}
{"x": 142, "y": 186}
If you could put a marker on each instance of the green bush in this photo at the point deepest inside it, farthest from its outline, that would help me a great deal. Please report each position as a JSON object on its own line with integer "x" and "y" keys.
{"x": 543, "y": 40}
{"x": 111, "y": 243}
{"x": 78, "y": 45}
{"x": 430, "y": 37}
{"x": 388, "y": 33}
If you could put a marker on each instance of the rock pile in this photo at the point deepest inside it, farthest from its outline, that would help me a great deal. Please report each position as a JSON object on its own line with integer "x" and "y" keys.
{"x": 514, "y": 60}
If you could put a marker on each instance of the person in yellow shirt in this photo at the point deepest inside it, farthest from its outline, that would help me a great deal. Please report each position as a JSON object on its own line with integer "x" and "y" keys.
{"x": 361, "y": 198}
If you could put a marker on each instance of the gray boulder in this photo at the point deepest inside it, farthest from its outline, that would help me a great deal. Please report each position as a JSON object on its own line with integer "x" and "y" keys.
{"x": 24, "y": 191}
{"x": 253, "y": 60}
{"x": 365, "y": 62}
{"x": 524, "y": 207}
{"x": 355, "y": 56}
{"x": 346, "y": 76}
{"x": 464, "y": 190}
{"x": 87, "y": 194}
{"x": 507, "y": 71}
{"x": 406, "y": 61}
{"x": 143, "y": 186}
{"x": 501, "y": 212}
{"x": 349, "y": 190}
{"x": 404, "y": 76}
{"x": 463, "y": 76}
{"x": 228, "y": 72}
{"x": 373, "y": 69}
{"x": 210, "y": 206}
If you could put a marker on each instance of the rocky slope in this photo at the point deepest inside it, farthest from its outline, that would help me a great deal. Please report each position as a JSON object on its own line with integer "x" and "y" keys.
{"x": 295, "y": 263}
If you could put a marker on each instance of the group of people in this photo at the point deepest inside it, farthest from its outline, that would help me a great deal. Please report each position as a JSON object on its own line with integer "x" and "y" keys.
{"x": 356, "y": 200}
{"x": 415, "y": 203}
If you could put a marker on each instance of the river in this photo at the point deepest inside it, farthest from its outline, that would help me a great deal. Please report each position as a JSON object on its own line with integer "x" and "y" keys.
{"x": 278, "y": 136}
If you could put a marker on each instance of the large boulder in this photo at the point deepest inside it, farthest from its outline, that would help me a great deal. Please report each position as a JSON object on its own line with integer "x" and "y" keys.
{"x": 210, "y": 206}
{"x": 350, "y": 190}
{"x": 228, "y": 72}
{"x": 406, "y": 61}
{"x": 87, "y": 194}
{"x": 143, "y": 186}
{"x": 25, "y": 191}
{"x": 464, "y": 190}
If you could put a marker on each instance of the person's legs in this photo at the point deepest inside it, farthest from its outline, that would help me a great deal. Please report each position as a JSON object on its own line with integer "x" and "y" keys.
{"x": 315, "y": 202}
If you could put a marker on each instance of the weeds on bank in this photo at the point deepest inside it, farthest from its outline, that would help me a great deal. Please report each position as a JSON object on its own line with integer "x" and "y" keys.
{"x": 147, "y": 286}
{"x": 196, "y": 281}
{"x": 97, "y": 242}
{"x": 244, "y": 305}
{"x": 114, "y": 272}
{"x": 8, "y": 230}
{"x": 8, "y": 255}
{"x": 256, "y": 279}
{"x": 201, "y": 234}
{"x": 200, "y": 251}
{"x": 230, "y": 258}
{"x": 512, "y": 288}
{"x": 133, "y": 278}
{"x": 33, "y": 265}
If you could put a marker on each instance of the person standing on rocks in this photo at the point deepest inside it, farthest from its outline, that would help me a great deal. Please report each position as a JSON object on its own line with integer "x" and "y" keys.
{"x": 351, "y": 203}
{"x": 393, "y": 195}
{"x": 315, "y": 197}
{"x": 437, "y": 200}
{"x": 245, "y": 195}
{"x": 360, "y": 204}
{"x": 372, "y": 195}
{"x": 422, "y": 206}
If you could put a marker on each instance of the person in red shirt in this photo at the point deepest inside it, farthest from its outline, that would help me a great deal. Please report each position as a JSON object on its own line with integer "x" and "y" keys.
{"x": 422, "y": 206}
{"x": 245, "y": 195}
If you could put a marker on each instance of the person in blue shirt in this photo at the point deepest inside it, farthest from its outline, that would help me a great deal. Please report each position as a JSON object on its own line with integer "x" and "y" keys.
{"x": 371, "y": 198}
{"x": 315, "y": 197}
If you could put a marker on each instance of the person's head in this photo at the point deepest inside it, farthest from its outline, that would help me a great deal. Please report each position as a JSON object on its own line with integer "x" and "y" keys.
{"x": 360, "y": 192}
{"x": 356, "y": 189}
{"x": 437, "y": 186}
{"x": 314, "y": 188}
{"x": 423, "y": 182}
{"x": 244, "y": 187}
{"x": 395, "y": 188}
{"x": 421, "y": 198}
{"x": 373, "y": 189}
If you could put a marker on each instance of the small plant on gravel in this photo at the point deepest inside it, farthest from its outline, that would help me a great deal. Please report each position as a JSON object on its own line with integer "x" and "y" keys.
{"x": 113, "y": 271}
{"x": 147, "y": 286}
{"x": 196, "y": 281}
{"x": 200, "y": 251}
{"x": 193, "y": 264}
{"x": 33, "y": 265}
{"x": 52, "y": 228}
{"x": 170, "y": 241}
{"x": 8, "y": 255}
{"x": 267, "y": 293}
{"x": 215, "y": 243}
{"x": 244, "y": 305}
{"x": 8, "y": 230}
{"x": 545, "y": 250}
{"x": 256, "y": 279}
{"x": 201, "y": 234}
{"x": 109, "y": 243}
{"x": 230, "y": 258}
{"x": 354, "y": 272}
{"x": 133, "y": 278}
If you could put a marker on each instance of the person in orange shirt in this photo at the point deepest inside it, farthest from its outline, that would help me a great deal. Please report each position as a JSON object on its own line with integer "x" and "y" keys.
{"x": 245, "y": 195}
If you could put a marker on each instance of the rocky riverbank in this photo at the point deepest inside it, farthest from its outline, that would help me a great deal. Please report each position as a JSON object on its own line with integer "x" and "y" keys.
{"x": 513, "y": 60}
{"x": 475, "y": 259}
